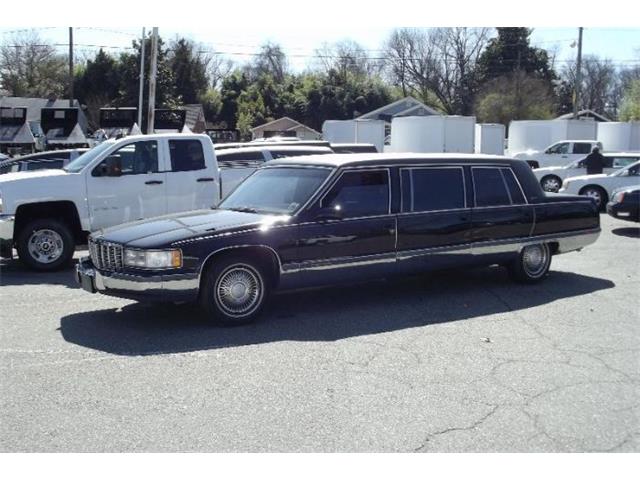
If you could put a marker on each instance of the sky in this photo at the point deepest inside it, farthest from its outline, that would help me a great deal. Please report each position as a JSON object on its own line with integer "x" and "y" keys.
{"x": 621, "y": 45}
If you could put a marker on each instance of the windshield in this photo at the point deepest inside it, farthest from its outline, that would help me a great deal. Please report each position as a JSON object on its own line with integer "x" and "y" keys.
{"x": 279, "y": 190}
{"x": 633, "y": 168}
{"x": 86, "y": 158}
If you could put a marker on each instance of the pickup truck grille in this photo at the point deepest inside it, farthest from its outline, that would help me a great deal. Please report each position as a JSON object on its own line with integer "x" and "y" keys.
{"x": 105, "y": 255}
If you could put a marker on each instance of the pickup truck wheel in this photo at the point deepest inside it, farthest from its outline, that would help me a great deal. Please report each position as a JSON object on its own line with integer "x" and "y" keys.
{"x": 551, "y": 183}
{"x": 532, "y": 264}
{"x": 45, "y": 245}
{"x": 234, "y": 291}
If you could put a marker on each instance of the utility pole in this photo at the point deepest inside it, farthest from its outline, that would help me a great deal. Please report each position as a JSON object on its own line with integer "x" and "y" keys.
{"x": 140, "y": 95}
{"x": 152, "y": 80}
{"x": 578, "y": 86}
{"x": 71, "y": 67}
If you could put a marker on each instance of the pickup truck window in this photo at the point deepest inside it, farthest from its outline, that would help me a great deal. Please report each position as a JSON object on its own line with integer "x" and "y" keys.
{"x": 137, "y": 158}
{"x": 186, "y": 155}
{"x": 360, "y": 194}
{"x": 86, "y": 158}
{"x": 560, "y": 148}
{"x": 425, "y": 189}
{"x": 489, "y": 187}
{"x": 581, "y": 148}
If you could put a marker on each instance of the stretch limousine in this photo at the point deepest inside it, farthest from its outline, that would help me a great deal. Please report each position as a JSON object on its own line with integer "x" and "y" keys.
{"x": 317, "y": 220}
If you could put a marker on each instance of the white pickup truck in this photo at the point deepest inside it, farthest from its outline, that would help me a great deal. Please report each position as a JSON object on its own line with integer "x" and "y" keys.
{"x": 46, "y": 213}
{"x": 559, "y": 154}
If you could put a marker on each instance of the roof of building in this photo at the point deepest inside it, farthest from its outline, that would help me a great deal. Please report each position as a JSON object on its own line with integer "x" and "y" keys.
{"x": 294, "y": 124}
{"x": 195, "y": 114}
{"x": 400, "y": 107}
{"x": 586, "y": 113}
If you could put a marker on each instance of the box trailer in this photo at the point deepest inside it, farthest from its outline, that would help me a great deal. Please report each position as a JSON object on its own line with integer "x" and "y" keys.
{"x": 455, "y": 134}
{"x": 490, "y": 138}
{"x": 619, "y": 136}
{"x": 537, "y": 135}
{"x": 355, "y": 131}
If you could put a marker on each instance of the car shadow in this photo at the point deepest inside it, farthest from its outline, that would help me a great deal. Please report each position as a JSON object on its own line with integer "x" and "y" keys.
{"x": 14, "y": 273}
{"x": 323, "y": 315}
{"x": 633, "y": 232}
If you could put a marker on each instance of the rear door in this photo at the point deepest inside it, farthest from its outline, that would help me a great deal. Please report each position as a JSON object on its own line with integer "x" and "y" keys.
{"x": 434, "y": 220}
{"x": 191, "y": 183}
{"x": 500, "y": 210}
{"x": 140, "y": 192}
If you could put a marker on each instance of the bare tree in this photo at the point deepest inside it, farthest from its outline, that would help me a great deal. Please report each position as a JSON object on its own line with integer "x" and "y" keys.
{"x": 600, "y": 90}
{"x": 31, "y": 67}
{"x": 437, "y": 63}
{"x": 271, "y": 60}
{"x": 218, "y": 68}
{"x": 347, "y": 57}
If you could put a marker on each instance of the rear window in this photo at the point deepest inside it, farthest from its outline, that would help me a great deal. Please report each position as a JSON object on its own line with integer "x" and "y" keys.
{"x": 489, "y": 187}
{"x": 580, "y": 148}
{"x": 239, "y": 156}
{"x": 293, "y": 153}
{"x": 425, "y": 189}
{"x": 186, "y": 155}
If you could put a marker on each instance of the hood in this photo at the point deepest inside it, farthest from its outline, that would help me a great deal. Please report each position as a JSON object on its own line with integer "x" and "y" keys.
{"x": 31, "y": 176}
{"x": 526, "y": 154}
{"x": 161, "y": 232}
{"x": 547, "y": 169}
{"x": 584, "y": 178}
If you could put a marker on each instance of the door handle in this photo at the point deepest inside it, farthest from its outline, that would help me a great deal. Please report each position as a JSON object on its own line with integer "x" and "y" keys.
{"x": 205, "y": 179}
{"x": 154, "y": 182}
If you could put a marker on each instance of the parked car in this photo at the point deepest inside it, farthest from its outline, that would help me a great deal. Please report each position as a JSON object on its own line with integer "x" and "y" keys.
{"x": 354, "y": 148}
{"x": 559, "y": 153}
{"x": 551, "y": 178}
{"x": 3, "y": 157}
{"x": 238, "y": 163}
{"x": 341, "y": 218}
{"x": 600, "y": 187}
{"x": 625, "y": 204}
{"x": 45, "y": 214}
{"x": 55, "y": 159}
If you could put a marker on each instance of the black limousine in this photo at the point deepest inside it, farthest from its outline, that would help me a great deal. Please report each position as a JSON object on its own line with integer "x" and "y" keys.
{"x": 318, "y": 220}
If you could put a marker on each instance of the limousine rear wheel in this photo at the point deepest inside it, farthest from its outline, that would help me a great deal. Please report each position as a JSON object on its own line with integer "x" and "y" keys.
{"x": 234, "y": 291}
{"x": 532, "y": 264}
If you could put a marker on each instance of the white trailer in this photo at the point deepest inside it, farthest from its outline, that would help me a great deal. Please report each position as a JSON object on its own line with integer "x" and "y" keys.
{"x": 490, "y": 138}
{"x": 453, "y": 134}
{"x": 619, "y": 136}
{"x": 537, "y": 135}
{"x": 355, "y": 131}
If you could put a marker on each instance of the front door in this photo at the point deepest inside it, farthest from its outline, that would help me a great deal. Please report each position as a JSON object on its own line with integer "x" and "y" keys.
{"x": 139, "y": 192}
{"x": 349, "y": 234}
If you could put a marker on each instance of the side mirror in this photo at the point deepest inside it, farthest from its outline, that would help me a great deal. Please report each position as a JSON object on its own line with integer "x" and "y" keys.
{"x": 329, "y": 213}
{"x": 110, "y": 167}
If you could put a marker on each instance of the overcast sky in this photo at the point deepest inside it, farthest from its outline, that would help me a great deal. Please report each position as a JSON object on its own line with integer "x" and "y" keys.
{"x": 622, "y": 45}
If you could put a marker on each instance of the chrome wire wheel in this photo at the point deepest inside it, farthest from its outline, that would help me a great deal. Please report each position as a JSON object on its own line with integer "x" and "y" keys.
{"x": 45, "y": 246}
{"x": 535, "y": 259}
{"x": 239, "y": 290}
{"x": 551, "y": 184}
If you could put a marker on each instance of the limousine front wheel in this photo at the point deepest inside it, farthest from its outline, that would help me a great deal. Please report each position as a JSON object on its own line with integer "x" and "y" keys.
{"x": 234, "y": 291}
{"x": 532, "y": 264}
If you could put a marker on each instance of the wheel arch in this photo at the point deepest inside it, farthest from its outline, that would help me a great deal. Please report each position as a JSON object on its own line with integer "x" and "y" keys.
{"x": 266, "y": 257}
{"x": 62, "y": 210}
{"x": 605, "y": 194}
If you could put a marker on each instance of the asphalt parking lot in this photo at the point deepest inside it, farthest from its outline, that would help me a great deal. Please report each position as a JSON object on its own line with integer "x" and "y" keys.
{"x": 455, "y": 361}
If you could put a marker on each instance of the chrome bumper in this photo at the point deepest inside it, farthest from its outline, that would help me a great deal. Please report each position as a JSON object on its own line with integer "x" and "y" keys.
{"x": 180, "y": 287}
{"x": 7, "y": 223}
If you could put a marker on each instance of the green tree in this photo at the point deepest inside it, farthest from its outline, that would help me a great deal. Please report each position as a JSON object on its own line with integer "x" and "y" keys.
{"x": 96, "y": 85}
{"x": 189, "y": 71}
{"x": 517, "y": 96}
{"x": 511, "y": 51}
{"x": 630, "y": 107}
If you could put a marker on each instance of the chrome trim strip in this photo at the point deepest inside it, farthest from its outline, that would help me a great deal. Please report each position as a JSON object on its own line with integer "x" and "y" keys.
{"x": 234, "y": 247}
{"x": 346, "y": 262}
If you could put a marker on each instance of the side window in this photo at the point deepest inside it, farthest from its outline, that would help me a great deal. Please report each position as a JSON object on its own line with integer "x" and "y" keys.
{"x": 135, "y": 158}
{"x": 186, "y": 155}
{"x": 634, "y": 171}
{"x": 425, "y": 189}
{"x": 582, "y": 148}
{"x": 619, "y": 162}
{"x": 560, "y": 148}
{"x": 490, "y": 188}
{"x": 517, "y": 197}
{"x": 44, "y": 164}
{"x": 360, "y": 194}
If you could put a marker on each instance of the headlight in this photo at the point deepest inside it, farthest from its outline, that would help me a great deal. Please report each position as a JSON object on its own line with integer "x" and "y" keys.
{"x": 619, "y": 197}
{"x": 153, "y": 259}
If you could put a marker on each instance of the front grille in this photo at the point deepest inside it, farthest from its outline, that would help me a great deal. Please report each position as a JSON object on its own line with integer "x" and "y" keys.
{"x": 105, "y": 255}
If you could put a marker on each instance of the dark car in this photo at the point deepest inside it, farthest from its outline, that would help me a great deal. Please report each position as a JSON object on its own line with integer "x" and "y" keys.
{"x": 625, "y": 204}
{"x": 326, "y": 219}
